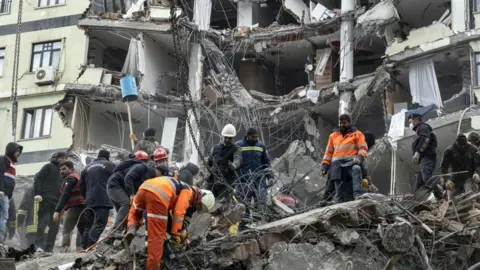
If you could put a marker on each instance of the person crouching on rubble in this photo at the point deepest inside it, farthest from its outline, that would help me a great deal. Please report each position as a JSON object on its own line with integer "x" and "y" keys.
{"x": 461, "y": 156}
{"x": 116, "y": 188}
{"x": 72, "y": 202}
{"x": 424, "y": 147}
{"x": 157, "y": 196}
{"x": 346, "y": 150}
{"x": 225, "y": 157}
{"x": 474, "y": 138}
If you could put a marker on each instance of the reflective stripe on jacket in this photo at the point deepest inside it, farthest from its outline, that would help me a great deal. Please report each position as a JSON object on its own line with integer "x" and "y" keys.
{"x": 174, "y": 194}
{"x": 76, "y": 198}
{"x": 346, "y": 147}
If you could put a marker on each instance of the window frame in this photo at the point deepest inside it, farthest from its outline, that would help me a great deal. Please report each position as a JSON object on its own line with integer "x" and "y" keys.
{"x": 477, "y": 67}
{"x": 32, "y": 125}
{"x": 7, "y": 6}
{"x": 2, "y": 61}
{"x": 476, "y": 6}
{"x": 43, "y": 52}
{"x": 54, "y": 3}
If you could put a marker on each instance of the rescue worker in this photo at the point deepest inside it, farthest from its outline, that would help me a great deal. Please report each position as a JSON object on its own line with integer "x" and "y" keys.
{"x": 137, "y": 175}
{"x": 47, "y": 184}
{"x": 28, "y": 216}
{"x": 228, "y": 157}
{"x": 254, "y": 176}
{"x": 116, "y": 188}
{"x": 474, "y": 138}
{"x": 345, "y": 152}
{"x": 461, "y": 156}
{"x": 73, "y": 203}
{"x": 7, "y": 183}
{"x": 93, "y": 186}
{"x": 157, "y": 196}
{"x": 424, "y": 147}
{"x": 148, "y": 144}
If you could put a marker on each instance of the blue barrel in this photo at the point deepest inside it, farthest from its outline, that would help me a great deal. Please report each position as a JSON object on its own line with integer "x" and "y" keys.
{"x": 129, "y": 88}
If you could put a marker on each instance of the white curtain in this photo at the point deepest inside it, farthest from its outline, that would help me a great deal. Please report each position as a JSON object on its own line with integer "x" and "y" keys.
{"x": 424, "y": 84}
{"x": 397, "y": 125}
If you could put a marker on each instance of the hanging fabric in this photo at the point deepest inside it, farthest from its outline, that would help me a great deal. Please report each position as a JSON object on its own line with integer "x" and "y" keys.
{"x": 423, "y": 83}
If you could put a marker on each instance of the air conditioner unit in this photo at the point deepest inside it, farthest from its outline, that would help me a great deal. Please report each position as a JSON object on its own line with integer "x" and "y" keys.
{"x": 45, "y": 76}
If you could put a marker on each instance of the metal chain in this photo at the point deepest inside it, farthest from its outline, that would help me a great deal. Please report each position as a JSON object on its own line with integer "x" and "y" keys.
{"x": 16, "y": 60}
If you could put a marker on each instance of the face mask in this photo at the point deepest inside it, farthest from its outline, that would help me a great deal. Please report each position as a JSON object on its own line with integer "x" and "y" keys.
{"x": 252, "y": 142}
{"x": 411, "y": 125}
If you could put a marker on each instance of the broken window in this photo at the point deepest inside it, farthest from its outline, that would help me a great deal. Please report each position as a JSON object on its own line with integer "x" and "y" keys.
{"x": 45, "y": 55}
{"x": 2, "y": 59}
{"x": 477, "y": 69}
{"x": 48, "y": 3}
{"x": 37, "y": 122}
{"x": 5, "y": 6}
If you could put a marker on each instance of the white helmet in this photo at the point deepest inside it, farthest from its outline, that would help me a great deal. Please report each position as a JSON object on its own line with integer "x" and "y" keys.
{"x": 208, "y": 200}
{"x": 229, "y": 131}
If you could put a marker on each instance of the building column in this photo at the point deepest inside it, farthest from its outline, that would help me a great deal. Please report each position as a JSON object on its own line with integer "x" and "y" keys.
{"x": 346, "y": 54}
{"x": 201, "y": 18}
{"x": 244, "y": 14}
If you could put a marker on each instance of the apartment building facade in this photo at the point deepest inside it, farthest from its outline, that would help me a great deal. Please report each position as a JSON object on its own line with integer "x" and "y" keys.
{"x": 52, "y": 49}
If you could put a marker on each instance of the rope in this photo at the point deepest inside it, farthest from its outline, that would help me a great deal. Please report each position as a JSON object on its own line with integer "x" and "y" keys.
{"x": 15, "y": 71}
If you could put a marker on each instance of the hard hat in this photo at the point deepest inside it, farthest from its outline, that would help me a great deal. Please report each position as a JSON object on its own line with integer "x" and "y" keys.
{"x": 141, "y": 155}
{"x": 160, "y": 154}
{"x": 208, "y": 200}
{"x": 229, "y": 131}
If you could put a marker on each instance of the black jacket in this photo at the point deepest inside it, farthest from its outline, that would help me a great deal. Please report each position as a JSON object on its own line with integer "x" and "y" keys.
{"x": 136, "y": 176}
{"x": 425, "y": 141}
{"x": 47, "y": 182}
{"x": 459, "y": 161}
{"x": 222, "y": 155}
{"x": 7, "y": 185}
{"x": 93, "y": 183}
{"x": 116, "y": 180}
{"x": 69, "y": 183}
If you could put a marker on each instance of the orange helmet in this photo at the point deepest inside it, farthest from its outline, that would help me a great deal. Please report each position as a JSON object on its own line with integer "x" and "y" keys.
{"x": 141, "y": 155}
{"x": 159, "y": 154}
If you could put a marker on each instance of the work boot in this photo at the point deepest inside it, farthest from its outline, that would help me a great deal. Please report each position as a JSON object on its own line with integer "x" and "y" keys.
{"x": 131, "y": 233}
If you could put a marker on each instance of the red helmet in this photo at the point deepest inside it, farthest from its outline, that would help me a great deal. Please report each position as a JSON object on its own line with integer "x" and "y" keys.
{"x": 159, "y": 154}
{"x": 141, "y": 155}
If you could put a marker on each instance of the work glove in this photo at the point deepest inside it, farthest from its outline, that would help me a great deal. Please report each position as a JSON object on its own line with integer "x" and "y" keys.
{"x": 133, "y": 137}
{"x": 1, "y": 195}
{"x": 183, "y": 236}
{"x": 56, "y": 217}
{"x": 232, "y": 166}
{"x": 324, "y": 172}
{"x": 365, "y": 184}
{"x": 449, "y": 184}
{"x": 476, "y": 178}
{"x": 38, "y": 198}
{"x": 416, "y": 158}
{"x": 356, "y": 160}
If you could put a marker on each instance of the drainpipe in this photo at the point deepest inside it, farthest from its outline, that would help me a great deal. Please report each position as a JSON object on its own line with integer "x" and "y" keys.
{"x": 346, "y": 54}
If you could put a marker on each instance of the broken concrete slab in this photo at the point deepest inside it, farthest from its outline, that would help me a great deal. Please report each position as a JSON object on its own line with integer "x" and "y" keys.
{"x": 347, "y": 237}
{"x": 399, "y": 237}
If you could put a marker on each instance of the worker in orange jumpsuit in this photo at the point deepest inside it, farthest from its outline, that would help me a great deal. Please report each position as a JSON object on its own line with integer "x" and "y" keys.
{"x": 346, "y": 150}
{"x": 157, "y": 196}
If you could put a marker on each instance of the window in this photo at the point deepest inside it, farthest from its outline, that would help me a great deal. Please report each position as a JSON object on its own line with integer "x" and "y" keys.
{"x": 37, "y": 122}
{"x": 5, "y": 6}
{"x": 476, "y": 5}
{"x": 477, "y": 69}
{"x": 49, "y": 3}
{"x": 2, "y": 59}
{"x": 45, "y": 55}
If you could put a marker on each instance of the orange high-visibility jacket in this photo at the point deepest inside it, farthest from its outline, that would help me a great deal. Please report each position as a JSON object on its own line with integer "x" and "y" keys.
{"x": 177, "y": 196}
{"x": 346, "y": 147}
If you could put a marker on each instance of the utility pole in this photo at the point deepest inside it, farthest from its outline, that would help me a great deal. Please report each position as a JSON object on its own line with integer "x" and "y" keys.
{"x": 346, "y": 54}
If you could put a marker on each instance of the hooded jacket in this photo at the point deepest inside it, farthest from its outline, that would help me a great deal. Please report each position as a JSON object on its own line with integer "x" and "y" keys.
{"x": 425, "y": 141}
{"x": 136, "y": 176}
{"x": 116, "y": 180}
{"x": 47, "y": 182}
{"x": 93, "y": 183}
{"x": 457, "y": 160}
{"x": 7, "y": 168}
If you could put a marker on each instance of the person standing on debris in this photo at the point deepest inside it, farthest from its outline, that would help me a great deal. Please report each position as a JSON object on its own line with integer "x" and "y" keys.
{"x": 474, "y": 138}
{"x": 47, "y": 184}
{"x": 346, "y": 151}
{"x": 157, "y": 196}
{"x": 148, "y": 144}
{"x": 93, "y": 186}
{"x": 424, "y": 148}
{"x": 461, "y": 156}
{"x": 227, "y": 157}
{"x": 136, "y": 176}
{"x": 254, "y": 176}
{"x": 71, "y": 201}
{"x": 116, "y": 188}
{"x": 28, "y": 216}
{"x": 7, "y": 183}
